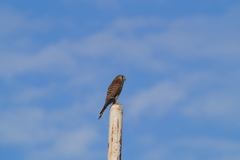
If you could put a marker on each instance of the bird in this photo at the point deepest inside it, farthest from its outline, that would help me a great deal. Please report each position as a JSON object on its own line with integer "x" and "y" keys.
{"x": 113, "y": 92}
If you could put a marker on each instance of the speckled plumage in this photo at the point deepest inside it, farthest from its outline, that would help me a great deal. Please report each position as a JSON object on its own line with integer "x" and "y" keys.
{"x": 113, "y": 92}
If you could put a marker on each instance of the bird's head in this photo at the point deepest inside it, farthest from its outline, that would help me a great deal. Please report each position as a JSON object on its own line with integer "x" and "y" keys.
{"x": 122, "y": 77}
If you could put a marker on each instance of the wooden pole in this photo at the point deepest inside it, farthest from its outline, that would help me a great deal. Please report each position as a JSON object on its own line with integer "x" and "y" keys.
{"x": 115, "y": 132}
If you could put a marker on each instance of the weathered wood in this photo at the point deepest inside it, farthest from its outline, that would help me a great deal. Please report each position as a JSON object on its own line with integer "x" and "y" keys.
{"x": 115, "y": 132}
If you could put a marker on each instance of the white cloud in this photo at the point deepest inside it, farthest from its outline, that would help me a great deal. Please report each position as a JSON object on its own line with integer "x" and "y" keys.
{"x": 191, "y": 148}
{"x": 72, "y": 145}
{"x": 60, "y": 133}
{"x": 213, "y": 38}
{"x": 220, "y": 105}
{"x": 29, "y": 95}
{"x": 128, "y": 25}
{"x": 156, "y": 153}
{"x": 212, "y": 95}
{"x": 220, "y": 145}
{"x": 11, "y": 22}
{"x": 109, "y": 4}
{"x": 203, "y": 36}
{"x": 200, "y": 95}
{"x": 158, "y": 99}
{"x": 130, "y": 41}
{"x": 188, "y": 38}
{"x": 167, "y": 95}
{"x": 21, "y": 126}
{"x": 54, "y": 58}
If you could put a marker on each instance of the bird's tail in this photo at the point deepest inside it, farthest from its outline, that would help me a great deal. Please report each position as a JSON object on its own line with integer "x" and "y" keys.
{"x": 102, "y": 111}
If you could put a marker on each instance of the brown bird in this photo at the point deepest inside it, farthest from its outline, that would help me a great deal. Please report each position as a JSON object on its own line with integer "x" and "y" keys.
{"x": 113, "y": 92}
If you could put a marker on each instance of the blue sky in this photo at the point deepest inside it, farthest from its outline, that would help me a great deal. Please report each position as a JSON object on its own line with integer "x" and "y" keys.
{"x": 181, "y": 60}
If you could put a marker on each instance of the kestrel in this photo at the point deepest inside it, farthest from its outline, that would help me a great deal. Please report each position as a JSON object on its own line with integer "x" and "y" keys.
{"x": 113, "y": 92}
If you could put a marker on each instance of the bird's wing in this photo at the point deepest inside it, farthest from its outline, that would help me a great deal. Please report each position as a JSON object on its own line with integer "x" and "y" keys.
{"x": 113, "y": 92}
{"x": 114, "y": 89}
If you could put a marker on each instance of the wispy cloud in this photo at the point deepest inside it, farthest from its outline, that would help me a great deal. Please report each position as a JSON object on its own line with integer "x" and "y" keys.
{"x": 109, "y": 4}
{"x": 191, "y": 148}
{"x": 158, "y": 99}
{"x": 187, "y": 38}
{"x": 32, "y": 128}
{"x": 187, "y": 65}
{"x": 47, "y": 60}
{"x": 219, "y": 105}
{"x": 12, "y": 22}
{"x": 72, "y": 145}
{"x": 207, "y": 95}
